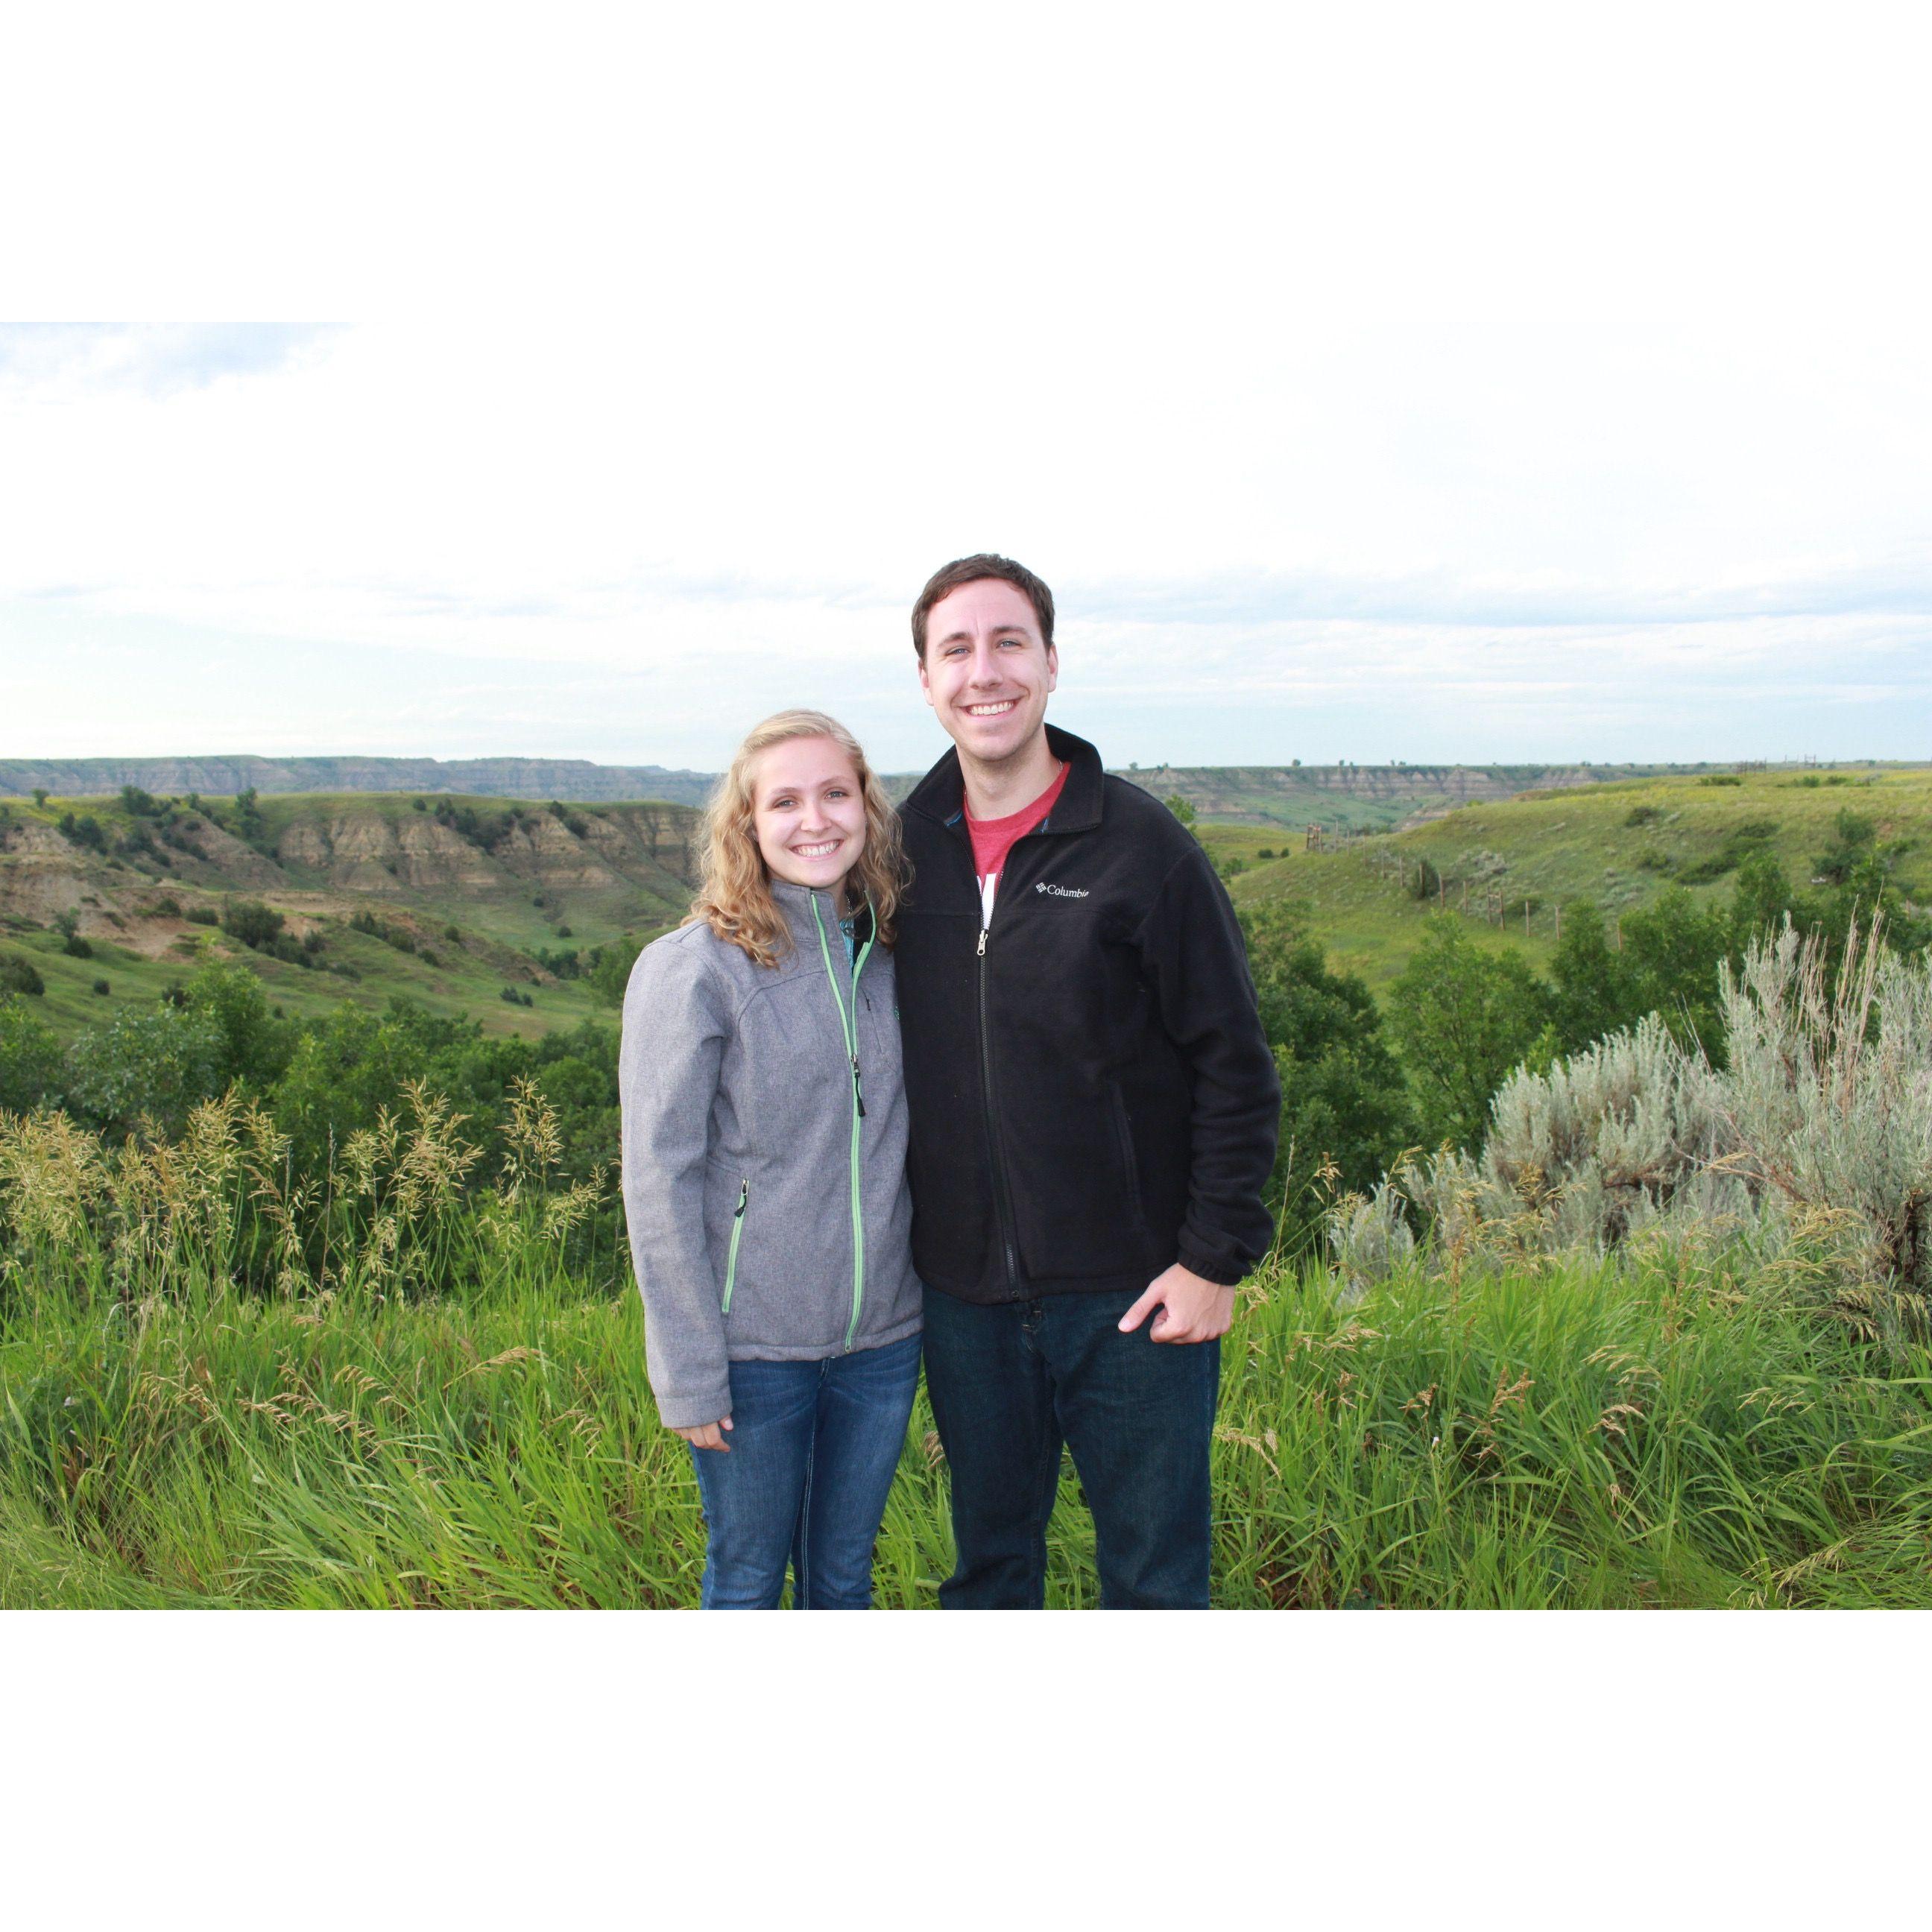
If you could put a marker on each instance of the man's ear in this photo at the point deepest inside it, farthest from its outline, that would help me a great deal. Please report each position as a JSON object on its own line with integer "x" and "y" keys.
{"x": 925, "y": 683}
{"x": 1052, "y": 668}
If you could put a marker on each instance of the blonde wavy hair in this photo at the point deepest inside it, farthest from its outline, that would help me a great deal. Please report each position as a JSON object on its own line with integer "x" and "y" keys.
{"x": 735, "y": 897}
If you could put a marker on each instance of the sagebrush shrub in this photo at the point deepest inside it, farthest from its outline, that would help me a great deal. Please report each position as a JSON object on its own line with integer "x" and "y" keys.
{"x": 1817, "y": 1133}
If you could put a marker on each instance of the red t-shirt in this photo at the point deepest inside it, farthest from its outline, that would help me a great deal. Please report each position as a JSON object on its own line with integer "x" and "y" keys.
{"x": 993, "y": 838}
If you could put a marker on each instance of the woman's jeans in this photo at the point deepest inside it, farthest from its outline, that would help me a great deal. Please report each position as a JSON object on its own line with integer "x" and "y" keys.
{"x": 814, "y": 1446}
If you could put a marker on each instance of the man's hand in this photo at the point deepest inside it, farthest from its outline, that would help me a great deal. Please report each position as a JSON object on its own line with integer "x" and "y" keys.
{"x": 707, "y": 1437}
{"x": 1191, "y": 1309}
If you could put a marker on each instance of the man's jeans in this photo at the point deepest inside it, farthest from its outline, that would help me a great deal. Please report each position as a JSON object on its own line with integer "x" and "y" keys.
{"x": 814, "y": 1445}
{"x": 1009, "y": 1384}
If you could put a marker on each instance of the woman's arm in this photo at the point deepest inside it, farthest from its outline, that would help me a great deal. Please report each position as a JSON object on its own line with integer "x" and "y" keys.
{"x": 675, "y": 1024}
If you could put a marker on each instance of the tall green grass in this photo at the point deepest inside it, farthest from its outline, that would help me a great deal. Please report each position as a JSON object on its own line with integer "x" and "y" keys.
{"x": 1571, "y": 1436}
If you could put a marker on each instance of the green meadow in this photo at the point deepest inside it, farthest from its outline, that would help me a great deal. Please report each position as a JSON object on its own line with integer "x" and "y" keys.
{"x": 216, "y": 1395}
{"x": 357, "y": 1328}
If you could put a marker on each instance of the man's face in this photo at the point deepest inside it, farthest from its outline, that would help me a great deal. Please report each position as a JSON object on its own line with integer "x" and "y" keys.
{"x": 985, "y": 672}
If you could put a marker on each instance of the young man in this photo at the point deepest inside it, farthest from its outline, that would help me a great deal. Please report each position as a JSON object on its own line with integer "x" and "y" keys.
{"x": 1094, "y": 1110}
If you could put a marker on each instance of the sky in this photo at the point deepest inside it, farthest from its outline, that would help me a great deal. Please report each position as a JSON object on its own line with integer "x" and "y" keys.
{"x": 1465, "y": 384}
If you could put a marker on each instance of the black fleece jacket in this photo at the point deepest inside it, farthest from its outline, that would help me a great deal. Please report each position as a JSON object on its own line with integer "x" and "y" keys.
{"x": 1092, "y": 1097}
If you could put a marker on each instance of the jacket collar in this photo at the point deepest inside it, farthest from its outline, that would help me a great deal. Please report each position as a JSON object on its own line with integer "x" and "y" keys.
{"x": 941, "y": 793}
{"x": 796, "y": 903}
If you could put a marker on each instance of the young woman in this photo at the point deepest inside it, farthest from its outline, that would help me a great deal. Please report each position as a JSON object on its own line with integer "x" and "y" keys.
{"x": 764, "y": 1133}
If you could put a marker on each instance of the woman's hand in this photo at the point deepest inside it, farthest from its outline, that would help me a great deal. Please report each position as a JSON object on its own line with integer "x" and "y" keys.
{"x": 708, "y": 1436}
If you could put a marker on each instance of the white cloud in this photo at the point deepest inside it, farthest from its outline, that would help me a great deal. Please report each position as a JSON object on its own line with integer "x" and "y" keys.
{"x": 1420, "y": 380}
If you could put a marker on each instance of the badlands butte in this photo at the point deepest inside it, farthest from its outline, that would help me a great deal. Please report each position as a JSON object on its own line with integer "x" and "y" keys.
{"x": 389, "y": 877}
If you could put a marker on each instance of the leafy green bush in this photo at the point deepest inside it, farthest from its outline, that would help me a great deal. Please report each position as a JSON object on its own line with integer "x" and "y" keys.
{"x": 1856, "y": 835}
{"x": 158, "y": 1064}
{"x": 1345, "y": 1110}
{"x": 251, "y": 921}
{"x": 30, "y": 1059}
{"x": 400, "y": 936}
{"x": 202, "y": 915}
{"x": 1642, "y": 814}
{"x": 1812, "y": 1145}
{"x": 101, "y": 987}
{"x": 1461, "y": 1017}
{"x": 18, "y": 975}
{"x": 608, "y": 967}
{"x": 255, "y": 1045}
{"x": 84, "y": 831}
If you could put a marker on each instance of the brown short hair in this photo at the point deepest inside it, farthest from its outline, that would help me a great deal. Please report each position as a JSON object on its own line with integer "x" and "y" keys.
{"x": 972, "y": 570}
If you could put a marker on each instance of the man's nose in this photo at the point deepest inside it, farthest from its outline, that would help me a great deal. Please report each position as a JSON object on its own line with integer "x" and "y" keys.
{"x": 986, "y": 665}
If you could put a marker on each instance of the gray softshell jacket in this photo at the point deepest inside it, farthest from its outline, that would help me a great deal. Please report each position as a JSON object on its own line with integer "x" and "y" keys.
{"x": 764, "y": 1143}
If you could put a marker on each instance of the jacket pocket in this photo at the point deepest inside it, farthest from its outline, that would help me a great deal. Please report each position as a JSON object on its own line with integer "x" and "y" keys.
{"x": 1124, "y": 1132}
{"x": 737, "y": 1234}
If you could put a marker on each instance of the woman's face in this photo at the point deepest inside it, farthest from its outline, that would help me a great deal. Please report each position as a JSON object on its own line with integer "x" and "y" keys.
{"x": 808, "y": 812}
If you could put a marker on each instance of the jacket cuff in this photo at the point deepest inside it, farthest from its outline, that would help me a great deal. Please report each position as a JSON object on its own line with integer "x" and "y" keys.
{"x": 1212, "y": 1267}
{"x": 694, "y": 1412}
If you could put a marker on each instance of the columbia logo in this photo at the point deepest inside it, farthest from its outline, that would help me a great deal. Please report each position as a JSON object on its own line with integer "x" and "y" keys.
{"x": 1060, "y": 891}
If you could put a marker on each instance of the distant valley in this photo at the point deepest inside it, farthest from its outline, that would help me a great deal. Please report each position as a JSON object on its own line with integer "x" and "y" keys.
{"x": 1293, "y": 795}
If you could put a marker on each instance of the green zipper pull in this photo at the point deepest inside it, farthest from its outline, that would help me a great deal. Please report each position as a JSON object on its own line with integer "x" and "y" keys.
{"x": 737, "y": 1231}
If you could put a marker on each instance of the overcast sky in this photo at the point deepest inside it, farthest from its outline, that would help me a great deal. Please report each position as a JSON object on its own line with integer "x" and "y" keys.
{"x": 1425, "y": 386}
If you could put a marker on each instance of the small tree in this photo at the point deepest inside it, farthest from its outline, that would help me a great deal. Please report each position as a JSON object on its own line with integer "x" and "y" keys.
{"x": 610, "y": 966}
{"x": 1462, "y": 1018}
{"x": 1592, "y": 993}
{"x": 159, "y": 1065}
{"x": 40, "y": 795}
{"x": 30, "y": 1059}
{"x": 18, "y": 975}
{"x": 1345, "y": 1113}
{"x": 1181, "y": 809}
{"x": 251, "y": 921}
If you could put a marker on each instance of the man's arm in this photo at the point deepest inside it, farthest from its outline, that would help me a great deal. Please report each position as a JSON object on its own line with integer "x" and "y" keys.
{"x": 1192, "y": 953}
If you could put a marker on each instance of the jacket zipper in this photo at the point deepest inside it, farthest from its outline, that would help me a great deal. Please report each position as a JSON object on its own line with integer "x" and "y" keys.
{"x": 737, "y": 1229}
{"x": 848, "y": 1021}
{"x": 1002, "y": 1206}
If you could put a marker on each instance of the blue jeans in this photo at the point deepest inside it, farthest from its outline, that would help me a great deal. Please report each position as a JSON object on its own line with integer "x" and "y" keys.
{"x": 814, "y": 1446}
{"x": 1009, "y": 1385}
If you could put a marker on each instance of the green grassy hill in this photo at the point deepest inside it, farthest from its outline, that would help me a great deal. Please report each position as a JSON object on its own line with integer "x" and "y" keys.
{"x": 1618, "y": 844}
{"x": 466, "y": 893}
{"x": 457, "y": 897}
